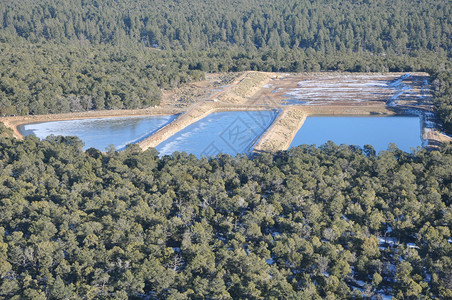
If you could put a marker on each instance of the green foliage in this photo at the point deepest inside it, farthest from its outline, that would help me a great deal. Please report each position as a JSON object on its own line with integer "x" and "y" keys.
{"x": 66, "y": 56}
{"x": 5, "y": 131}
{"x": 443, "y": 96}
{"x": 325, "y": 220}
{"x": 326, "y": 25}
{"x": 309, "y": 223}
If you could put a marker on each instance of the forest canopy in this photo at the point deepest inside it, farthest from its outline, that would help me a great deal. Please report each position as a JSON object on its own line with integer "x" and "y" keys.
{"x": 328, "y": 222}
{"x": 378, "y": 26}
{"x": 333, "y": 222}
{"x": 62, "y": 56}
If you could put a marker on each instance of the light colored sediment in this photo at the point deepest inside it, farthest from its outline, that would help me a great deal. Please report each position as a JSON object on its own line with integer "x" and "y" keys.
{"x": 325, "y": 94}
{"x": 245, "y": 87}
{"x": 281, "y": 133}
{"x": 433, "y": 136}
{"x": 232, "y": 98}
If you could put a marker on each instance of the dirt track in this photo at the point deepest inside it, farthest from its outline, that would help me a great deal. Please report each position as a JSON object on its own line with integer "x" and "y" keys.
{"x": 232, "y": 97}
{"x": 297, "y": 96}
{"x": 281, "y": 133}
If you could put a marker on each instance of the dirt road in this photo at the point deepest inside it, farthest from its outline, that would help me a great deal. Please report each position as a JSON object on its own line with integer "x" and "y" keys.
{"x": 297, "y": 96}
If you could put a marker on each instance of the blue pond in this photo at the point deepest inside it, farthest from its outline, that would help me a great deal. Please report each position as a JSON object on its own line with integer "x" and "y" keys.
{"x": 223, "y": 132}
{"x": 379, "y": 132}
{"x": 101, "y": 133}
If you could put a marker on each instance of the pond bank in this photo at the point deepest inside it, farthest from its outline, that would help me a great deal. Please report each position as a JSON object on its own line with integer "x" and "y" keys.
{"x": 255, "y": 91}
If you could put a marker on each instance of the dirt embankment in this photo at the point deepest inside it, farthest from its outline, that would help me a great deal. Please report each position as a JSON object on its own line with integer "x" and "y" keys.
{"x": 244, "y": 88}
{"x": 281, "y": 133}
{"x": 182, "y": 121}
{"x": 230, "y": 98}
{"x": 14, "y": 122}
{"x": 312, "y": 93}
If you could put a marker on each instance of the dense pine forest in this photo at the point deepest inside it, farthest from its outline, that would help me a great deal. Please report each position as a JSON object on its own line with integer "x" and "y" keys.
{"x": 62, "y": 56}
{"x": 334, "y": 222}
{"x": 324, "y": 25}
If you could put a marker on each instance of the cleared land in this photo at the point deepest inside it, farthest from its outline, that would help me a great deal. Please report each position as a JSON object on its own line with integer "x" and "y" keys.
{"x": 297, "y": 96}
{"x": 353, "y": 89}
{"x": 175, "y": 101}
{"x": 303, "y": 95}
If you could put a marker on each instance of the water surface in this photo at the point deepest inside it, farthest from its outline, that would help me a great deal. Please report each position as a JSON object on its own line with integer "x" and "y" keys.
{"x": 404, "y": 131}
{"x": 223, "y": 132}
{"x": 100, "y": 133}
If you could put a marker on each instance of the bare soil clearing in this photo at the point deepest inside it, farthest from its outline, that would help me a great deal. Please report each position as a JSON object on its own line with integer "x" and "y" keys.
{"x": 174, "y": 101}
{"x": 331, "y": 89}
{"x": 297, "y": 96}
{"x": 306, "y": 94}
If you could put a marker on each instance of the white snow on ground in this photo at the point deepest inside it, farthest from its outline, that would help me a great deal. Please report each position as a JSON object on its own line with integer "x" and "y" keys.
{"x": 384, "y": 296}
{"x": 393, "y": 100}
{"x": 360, "y": 283}
{"x": 354, "y": 88}
{"x": 392, "y": 268}
{"x": 358, "y": 289}
{"x": 429, "y": 118}
{"x": 392, "y": 241}
{"x": 449, "y": 240}
{"x": 412, "y": 246}
{"x": 380, "y": 293}
{"x": 397, "y": 83}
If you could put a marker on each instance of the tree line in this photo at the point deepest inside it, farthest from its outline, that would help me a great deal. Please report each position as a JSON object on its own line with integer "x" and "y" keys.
{"x": 328, "y": 222}
{"x": 378, "y": 26}
{"x": 41, "y": 78}
{"x": 443, "y": 96}
{"x": 64, "y": 56}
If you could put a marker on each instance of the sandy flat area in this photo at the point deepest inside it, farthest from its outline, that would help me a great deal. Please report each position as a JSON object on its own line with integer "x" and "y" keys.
{"x": 296, "y": 96}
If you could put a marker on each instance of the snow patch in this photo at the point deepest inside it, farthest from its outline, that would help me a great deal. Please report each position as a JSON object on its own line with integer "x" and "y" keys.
{"x": 391, "y": 241}
{"x": 412, "y": 246}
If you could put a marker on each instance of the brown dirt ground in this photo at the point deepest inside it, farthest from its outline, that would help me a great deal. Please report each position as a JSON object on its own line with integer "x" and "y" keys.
{"x": 314, "y": 93}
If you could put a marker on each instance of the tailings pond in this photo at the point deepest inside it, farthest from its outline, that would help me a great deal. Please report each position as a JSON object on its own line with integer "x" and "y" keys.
{"x": 100, "y": 133}
{"x": 223, "y": 132}
{"x": 404, "y": 131}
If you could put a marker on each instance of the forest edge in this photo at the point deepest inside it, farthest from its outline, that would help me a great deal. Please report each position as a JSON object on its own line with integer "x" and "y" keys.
{"x": 248, "y": 93}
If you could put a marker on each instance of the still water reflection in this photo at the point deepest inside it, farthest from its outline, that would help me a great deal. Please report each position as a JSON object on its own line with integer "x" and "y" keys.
{"x": 223, "y": 132}
{"x": 100, "y": 133}
{"x": 404, "y": 131}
